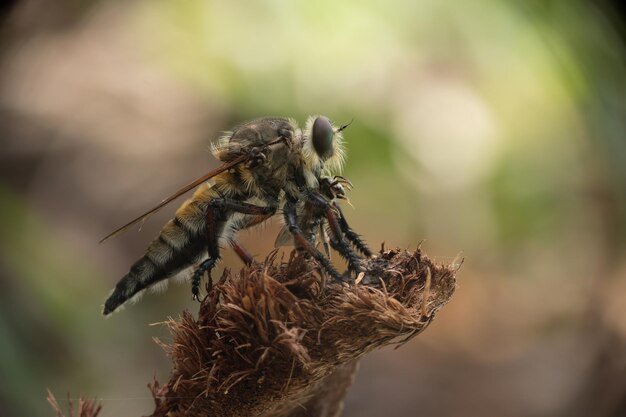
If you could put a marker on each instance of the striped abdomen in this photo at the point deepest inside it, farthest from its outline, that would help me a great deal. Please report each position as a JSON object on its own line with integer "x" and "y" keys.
{"x": 180, "y": 244}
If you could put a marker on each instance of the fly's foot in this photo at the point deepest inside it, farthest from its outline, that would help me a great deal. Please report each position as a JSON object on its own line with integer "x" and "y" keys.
{"x": 257, "y": 156}
{"x": 195, "y": 291}
{"x": 339, "y": 180}
{"x": 370, "y": 280}
{"x": 346, "y": 278}
{"x": 330, "y": 270}
{"x": 355, "y": 264}
{"x": 196, "y": 279}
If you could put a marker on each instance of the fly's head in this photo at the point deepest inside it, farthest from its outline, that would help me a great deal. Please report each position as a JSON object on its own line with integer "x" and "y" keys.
{"x": 323, "y": 149}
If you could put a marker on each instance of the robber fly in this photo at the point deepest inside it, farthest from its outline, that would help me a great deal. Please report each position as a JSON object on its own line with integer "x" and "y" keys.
{"x": 268, "y": 164}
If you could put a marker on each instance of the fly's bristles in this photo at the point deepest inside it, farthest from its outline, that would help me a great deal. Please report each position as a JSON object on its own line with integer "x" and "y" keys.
{"x": 174, "y": 235}
{"x": 159, "y": 252}
{"x": 247, "y": 179}
{"x": 192, "y": 215}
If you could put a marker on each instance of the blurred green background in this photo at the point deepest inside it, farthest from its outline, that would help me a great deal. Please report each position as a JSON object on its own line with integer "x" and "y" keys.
{"x": 491, "y": 128}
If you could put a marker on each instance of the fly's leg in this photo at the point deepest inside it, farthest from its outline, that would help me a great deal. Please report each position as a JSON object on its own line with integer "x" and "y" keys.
{"x": 334, "y": 188}
{"x": 350, "y": 234}
{"x": 206, "y": 265}
{"x": 242, "y": 252}
{"x": 239, "y": 249}
{"x": 213, "y": 216}
{"x": 256, "y": 156}
{"x": 217, "y": 212}
{"x": 338, "y": 243}
{"x": 337, "y": 240}
{"x": 291, "y": 218}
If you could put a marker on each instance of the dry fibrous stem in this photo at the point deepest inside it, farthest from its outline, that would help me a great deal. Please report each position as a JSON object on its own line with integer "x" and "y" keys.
{"x": 279, "y": 340}
{"x": 86, "y": 407}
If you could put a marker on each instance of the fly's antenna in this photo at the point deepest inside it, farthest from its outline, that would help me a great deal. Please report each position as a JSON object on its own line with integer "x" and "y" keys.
{"x": 345, "y": 126}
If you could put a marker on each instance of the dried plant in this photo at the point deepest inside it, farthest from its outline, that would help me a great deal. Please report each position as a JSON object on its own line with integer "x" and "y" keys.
{"x": 278, "y": 340}
{"x": 86, "y": 408}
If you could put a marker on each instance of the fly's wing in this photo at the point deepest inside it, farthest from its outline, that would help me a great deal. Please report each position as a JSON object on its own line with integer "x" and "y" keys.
{"x": 284, "y": 238}
{"x": 241, "y": 158}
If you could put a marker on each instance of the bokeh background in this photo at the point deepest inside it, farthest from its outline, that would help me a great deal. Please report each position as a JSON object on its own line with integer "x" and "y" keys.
{"x": 492, "y": 128}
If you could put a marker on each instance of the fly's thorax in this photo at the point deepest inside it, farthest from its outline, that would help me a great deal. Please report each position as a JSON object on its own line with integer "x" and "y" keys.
{"x": 264, "y": 130}
{"x": 276, "y": 173}
{"x": 268, "y": 181}
{"x": 279, "y": 139}
{"x": 251, "y": 134}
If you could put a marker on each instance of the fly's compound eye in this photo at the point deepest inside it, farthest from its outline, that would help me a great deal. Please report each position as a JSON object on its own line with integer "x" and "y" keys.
{"x": 322, "y": 136}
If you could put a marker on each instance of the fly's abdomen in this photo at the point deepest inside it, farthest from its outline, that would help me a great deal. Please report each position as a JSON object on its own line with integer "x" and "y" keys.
{"x": 180, "y": 244}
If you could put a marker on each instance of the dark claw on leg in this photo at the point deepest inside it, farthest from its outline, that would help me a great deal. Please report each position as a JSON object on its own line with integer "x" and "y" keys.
{"x": 205, "y": 266}
{"x": 257, "y": 156}
{"x": 347, "y": 278}
{"x": 354, "y": 261}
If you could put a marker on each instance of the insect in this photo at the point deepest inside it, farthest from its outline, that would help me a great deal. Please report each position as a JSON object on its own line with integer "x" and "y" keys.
{"x": 268, "y": 164}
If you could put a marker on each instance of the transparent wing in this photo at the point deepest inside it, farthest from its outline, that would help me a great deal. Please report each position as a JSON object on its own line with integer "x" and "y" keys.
{"x": 284, "y": 238}
{"x": 177, "y": 194}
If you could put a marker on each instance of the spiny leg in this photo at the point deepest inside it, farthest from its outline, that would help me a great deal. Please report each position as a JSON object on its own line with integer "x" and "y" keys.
{"x": 351, "y": 235}
{"x": 242, "y": 252}
{"x": 291, "y": 218}
{"x": 206, "y": 265}
{"x": 218, "y": 211}
{"x": 335, "y": 189}
{"x": 337, "y": 241}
